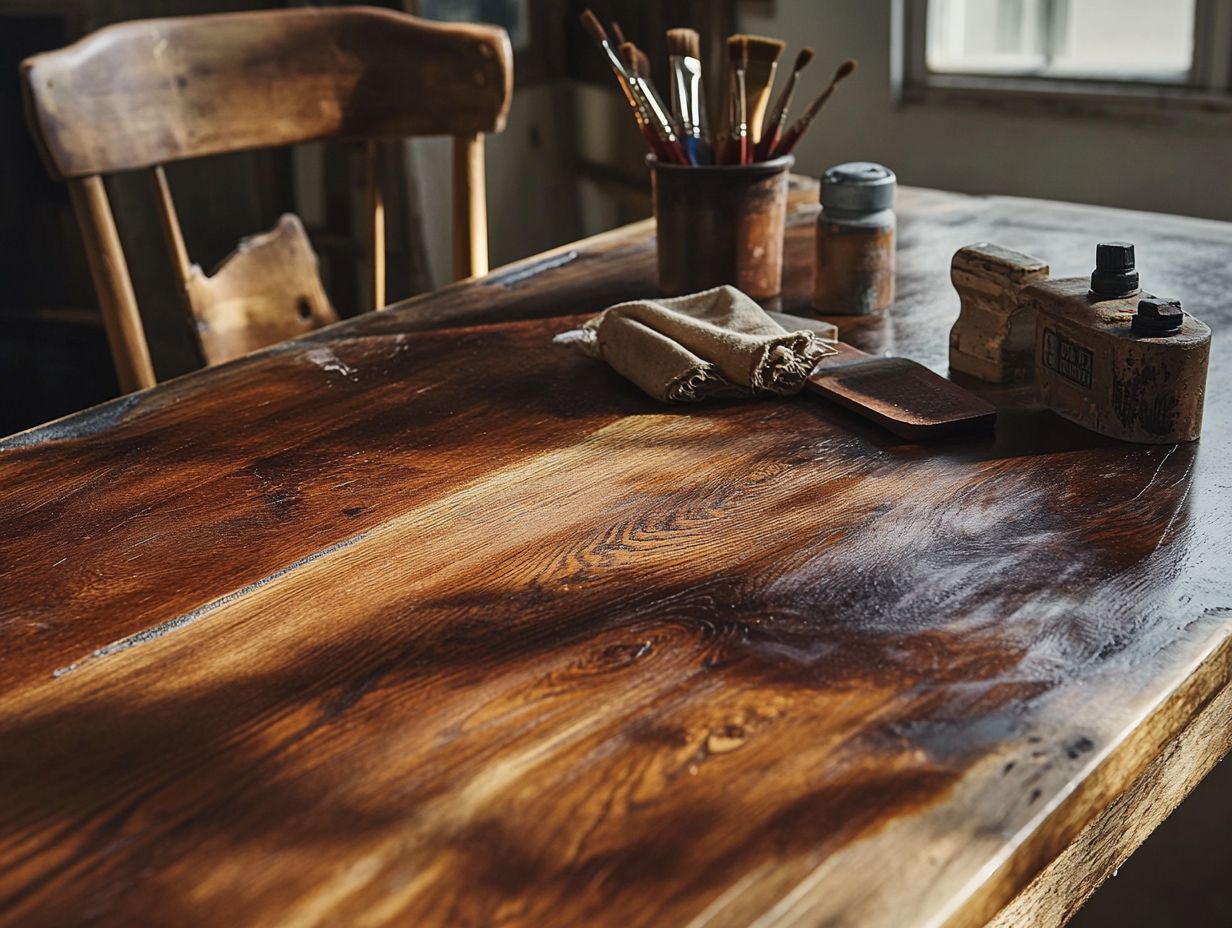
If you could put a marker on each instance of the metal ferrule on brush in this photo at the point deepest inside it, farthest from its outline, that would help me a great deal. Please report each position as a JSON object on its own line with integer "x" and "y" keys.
{"x": 658, "y": 109}
{"x": 688, "y": 104}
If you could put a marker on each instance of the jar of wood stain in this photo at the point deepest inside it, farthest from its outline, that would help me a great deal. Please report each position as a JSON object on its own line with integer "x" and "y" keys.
{"x": 854, "y": 273}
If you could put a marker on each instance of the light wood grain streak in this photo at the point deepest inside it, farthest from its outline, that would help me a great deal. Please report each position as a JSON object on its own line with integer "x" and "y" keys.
{"x": 1059, "y": 890}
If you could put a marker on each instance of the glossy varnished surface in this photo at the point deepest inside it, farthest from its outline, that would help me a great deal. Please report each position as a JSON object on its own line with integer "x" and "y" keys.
{"x": 425, "y": 620}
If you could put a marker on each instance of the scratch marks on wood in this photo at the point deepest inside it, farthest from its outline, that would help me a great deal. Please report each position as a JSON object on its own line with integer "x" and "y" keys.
{"x": 84, "y": 424}
{"x": 522, "y": 273}
{"x": 188, "y": 618}
{"x": 327, "y": 360}
{"x": 1151, "y": 480}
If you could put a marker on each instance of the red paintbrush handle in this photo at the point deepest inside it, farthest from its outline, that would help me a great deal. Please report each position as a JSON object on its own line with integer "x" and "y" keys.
{"x": 769, "y": 141}
{"x": 667, "y": 151}
{"x": 789, "y": 140}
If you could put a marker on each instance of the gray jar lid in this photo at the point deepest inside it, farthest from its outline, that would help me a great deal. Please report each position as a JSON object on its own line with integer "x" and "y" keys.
{"x": 858, "y": 187}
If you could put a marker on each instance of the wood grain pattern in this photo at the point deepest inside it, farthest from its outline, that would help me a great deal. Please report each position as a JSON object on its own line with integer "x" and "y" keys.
{"x": 345, "y": 633}
{"x": 1105, "y": 843}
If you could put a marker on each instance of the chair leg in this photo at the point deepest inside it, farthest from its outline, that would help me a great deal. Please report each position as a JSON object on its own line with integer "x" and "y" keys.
{"x": 376, "y": 222}
{"x": 470, "y": 211}
{"x": 118, "y": 302}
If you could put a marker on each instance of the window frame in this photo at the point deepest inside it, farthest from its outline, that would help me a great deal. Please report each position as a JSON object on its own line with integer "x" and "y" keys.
{"x": 1207, "y": 90}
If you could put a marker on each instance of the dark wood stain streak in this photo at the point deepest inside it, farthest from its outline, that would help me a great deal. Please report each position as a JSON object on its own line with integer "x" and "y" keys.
{"x": 425, "y": 620}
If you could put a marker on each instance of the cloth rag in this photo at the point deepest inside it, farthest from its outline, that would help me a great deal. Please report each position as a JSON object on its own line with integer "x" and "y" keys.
{"x": 717, "y": 343}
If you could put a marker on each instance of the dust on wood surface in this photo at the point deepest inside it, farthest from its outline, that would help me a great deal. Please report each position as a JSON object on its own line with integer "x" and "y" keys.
{"x": 425, "y": 620}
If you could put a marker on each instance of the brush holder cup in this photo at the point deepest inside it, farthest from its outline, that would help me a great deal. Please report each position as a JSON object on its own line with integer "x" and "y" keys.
{"x": 721, "y": 224}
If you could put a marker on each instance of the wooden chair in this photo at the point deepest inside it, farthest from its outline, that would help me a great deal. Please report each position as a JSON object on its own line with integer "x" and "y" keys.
{"x": 137, "y": 95}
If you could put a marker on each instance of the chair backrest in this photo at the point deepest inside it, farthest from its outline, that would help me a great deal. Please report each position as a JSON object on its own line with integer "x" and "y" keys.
{"x": 137, "y": 95}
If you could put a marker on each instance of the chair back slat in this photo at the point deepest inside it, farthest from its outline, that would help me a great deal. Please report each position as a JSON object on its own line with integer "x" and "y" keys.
{"x": 117, "y": 301}
{"x": 470, "y": 209}
{"x": 142, "y": 93}
{"x": 266, "y": 291}
{"x": 170, "y": 223}
{"x": 374, "y": 208}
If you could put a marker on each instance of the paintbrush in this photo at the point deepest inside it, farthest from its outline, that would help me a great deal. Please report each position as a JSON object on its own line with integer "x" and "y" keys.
{"x": 772, "y": 130}
{"x": 618, "y": 34}
{"x": 738, "y": 147}
{"x": 637, "y": 64}
{"x": 759, "y": 79}
{"x": 688, "y": 98}
{"x": 664, "y": 148}
{"x": 792, "y": 136}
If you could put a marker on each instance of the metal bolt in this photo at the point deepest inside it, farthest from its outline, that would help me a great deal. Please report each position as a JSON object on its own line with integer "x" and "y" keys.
{"x": 1158, "y": 316}
{"x": 1114, "y": 274}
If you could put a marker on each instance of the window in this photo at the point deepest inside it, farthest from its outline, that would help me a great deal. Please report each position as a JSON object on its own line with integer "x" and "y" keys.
{"x": 1150, "y": 40}
{"x": 1172, "y": 48}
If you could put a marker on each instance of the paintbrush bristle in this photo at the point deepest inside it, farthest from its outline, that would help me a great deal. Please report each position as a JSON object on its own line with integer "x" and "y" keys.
{"x": 846, "y": 69}
{"x": 590, "y": 22}
{"x": 618, "y": 33}
{"x": 733, "y": 49}
{"x": 802, "y": 59}
{"x": 738, "y": 51}
{"x": 628, "y": 54}
{"x": 684, "y": 43}
{"x": 764, "y": 49}
{"x": 643, "y": 62}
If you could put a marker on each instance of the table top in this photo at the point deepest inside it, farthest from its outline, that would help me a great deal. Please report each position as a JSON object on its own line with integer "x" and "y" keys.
{"x": 426, "y": 620}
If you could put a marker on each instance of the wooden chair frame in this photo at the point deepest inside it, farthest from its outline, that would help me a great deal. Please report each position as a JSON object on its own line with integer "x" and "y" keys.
{"x": 136, "y": 95}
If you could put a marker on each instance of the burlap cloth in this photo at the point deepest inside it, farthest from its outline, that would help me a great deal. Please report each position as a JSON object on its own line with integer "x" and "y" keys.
{"x": 715, "y": 343}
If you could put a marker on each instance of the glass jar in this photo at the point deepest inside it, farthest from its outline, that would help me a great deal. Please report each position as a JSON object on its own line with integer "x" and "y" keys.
{"x": 854, "y": 273}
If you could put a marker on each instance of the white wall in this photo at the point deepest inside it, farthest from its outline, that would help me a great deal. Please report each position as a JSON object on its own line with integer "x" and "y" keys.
{"x": 532, "y": 198}
{"x": 1181, "y": 165}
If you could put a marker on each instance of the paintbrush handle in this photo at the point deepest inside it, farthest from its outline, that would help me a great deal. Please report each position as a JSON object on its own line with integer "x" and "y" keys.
{"x": 777, "y": 121}
{"x": 661, "y": 122}
{"x": 658, "y": 132}
{"x": 816, "y": 105}
{"x": 787, "y": 142}
{"x": 741, "y": 129}
{"x": 792, "y": 136}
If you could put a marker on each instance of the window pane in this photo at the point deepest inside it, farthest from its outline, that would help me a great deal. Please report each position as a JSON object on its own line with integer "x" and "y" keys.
{"x": 985, "y": 35}
{"x": 1143, "y": 39}
{"x": 1149, "y": 37}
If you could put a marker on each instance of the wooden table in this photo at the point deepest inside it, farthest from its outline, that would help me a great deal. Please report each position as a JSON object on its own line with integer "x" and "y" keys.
{"x": 427, "y": 621}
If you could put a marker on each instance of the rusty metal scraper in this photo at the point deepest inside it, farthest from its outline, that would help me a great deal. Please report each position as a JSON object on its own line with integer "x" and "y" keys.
{"x": 899, "y": 394}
